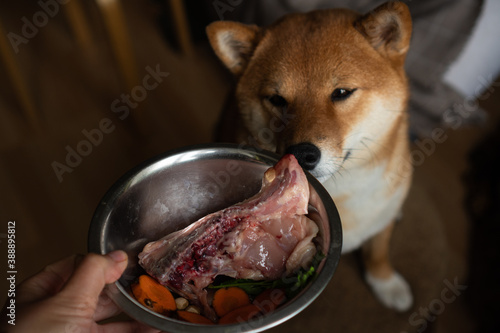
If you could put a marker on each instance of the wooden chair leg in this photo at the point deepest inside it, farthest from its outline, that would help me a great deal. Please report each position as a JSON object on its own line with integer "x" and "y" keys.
{"x": 115, "y": 22}
{"x": 78, "y": 23}
{"x": 116, "y": 26}
{"x": 181, "y": 26}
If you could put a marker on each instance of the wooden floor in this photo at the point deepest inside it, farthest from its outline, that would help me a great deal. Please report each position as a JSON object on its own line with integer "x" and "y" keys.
{"x": 51, "y": 194}
{"x": 74, "y": 90}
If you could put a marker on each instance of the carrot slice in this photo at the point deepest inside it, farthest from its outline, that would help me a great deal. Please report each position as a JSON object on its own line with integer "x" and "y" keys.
{"x": 153, "y": 295}
{"x": 228, "y": 299}
{"x": 241, "y": 314}
{"x": 194, "y": 318}
{"x": 270, "y": 299}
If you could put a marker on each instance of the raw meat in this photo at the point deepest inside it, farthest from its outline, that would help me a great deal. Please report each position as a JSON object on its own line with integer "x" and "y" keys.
{"x": 264, "y": 237}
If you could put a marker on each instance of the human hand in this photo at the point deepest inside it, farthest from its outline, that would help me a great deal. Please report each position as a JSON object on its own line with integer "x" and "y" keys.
{"x": 67, "y": 297}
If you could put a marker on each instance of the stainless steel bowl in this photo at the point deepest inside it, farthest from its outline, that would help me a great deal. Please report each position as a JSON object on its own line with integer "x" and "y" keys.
{"x": 172, "y": 190}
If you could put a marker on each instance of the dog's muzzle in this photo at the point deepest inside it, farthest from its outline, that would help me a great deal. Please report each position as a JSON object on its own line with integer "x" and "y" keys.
{"x": 307, "y": 154}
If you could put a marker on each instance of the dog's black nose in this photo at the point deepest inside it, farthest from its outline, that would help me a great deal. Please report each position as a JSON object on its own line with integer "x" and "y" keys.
{"x": 306, "y": 153}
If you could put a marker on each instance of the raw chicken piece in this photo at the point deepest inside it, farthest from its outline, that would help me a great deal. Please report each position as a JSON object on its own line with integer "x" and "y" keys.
{"x": 264, "y": 237}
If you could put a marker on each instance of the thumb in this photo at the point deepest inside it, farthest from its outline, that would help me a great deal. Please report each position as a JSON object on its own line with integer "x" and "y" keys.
{"x": 89, "y": 279}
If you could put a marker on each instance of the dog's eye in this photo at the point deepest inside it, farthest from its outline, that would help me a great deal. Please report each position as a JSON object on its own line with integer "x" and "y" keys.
{"x": 340, "y": 94}
{"x": 277, "y": 101}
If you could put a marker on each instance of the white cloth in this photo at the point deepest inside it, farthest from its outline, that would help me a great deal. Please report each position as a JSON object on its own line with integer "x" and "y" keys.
{"x": 478, "y": 65}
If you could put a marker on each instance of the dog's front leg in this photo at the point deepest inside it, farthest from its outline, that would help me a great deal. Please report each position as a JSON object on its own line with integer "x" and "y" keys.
{"x": 388, "y": 285}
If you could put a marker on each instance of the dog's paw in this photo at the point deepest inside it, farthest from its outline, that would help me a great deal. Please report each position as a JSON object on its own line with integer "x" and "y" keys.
{"x": 394, "y": 292}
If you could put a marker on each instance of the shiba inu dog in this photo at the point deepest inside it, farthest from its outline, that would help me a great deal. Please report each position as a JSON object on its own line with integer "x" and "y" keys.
{"x": 329, "y": 87}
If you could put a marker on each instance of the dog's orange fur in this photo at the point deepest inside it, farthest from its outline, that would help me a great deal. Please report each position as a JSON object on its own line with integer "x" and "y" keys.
{"x": 307, "y": 60}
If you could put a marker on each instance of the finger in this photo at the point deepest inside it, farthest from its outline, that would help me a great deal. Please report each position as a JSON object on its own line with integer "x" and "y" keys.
{"x": 89, "y": 279}
{"x": 48, "y": 281}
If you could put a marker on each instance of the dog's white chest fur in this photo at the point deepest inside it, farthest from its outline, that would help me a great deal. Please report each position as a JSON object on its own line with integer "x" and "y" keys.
{"x": 364, "y": 203}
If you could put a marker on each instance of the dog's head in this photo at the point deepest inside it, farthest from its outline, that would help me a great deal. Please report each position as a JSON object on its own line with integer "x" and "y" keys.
{"x": 328, "y": 86}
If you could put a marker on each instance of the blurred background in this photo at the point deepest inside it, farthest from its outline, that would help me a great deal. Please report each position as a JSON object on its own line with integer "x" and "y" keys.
{"x": 90, "y": 89}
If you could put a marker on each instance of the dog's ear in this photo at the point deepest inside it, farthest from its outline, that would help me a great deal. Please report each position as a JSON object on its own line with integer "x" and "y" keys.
{"x": 233, "y": 43}
{"x": 387, "y": 28}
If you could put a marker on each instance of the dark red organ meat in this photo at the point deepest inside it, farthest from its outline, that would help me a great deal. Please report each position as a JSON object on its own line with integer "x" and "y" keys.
{"x": 264, "y": 237}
